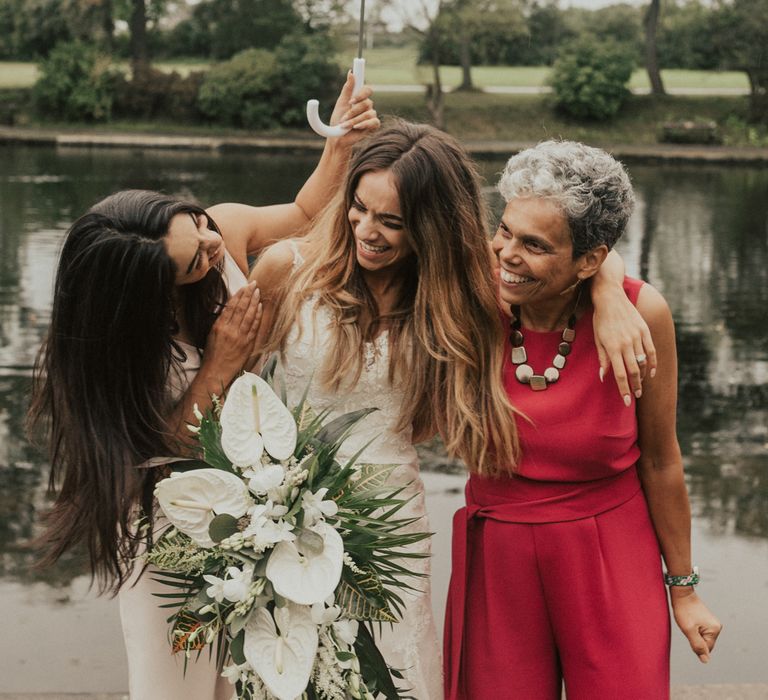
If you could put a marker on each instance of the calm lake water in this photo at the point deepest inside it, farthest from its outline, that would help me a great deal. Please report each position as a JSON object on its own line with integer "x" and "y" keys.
{"x": 700, "y": 235}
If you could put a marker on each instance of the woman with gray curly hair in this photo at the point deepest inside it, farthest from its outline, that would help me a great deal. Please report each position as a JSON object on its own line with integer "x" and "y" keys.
{"x": 557, "y": 560}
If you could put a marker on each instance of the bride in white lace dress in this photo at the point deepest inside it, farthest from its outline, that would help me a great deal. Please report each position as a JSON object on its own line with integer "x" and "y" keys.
{"x": 388, "y": 304}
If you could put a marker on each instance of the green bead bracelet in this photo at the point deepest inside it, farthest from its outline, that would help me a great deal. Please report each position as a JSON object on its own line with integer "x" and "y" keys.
{"x": 691, "y": 579}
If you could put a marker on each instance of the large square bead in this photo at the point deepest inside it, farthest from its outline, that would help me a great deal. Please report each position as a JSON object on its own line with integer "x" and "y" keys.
{"x": 559, "y": 361}
{"x": 519, "y": 356}
{"x": 569, "y": 335}
{"x": 538, "y": 382}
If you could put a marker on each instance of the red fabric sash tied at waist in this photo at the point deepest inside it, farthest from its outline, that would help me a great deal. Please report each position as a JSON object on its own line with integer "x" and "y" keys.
{"x": 517, "y": 500}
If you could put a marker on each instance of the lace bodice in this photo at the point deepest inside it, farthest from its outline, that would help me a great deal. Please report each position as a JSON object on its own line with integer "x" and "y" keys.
{"x": 307, "y": 346}
{"x": 306, "y": 349}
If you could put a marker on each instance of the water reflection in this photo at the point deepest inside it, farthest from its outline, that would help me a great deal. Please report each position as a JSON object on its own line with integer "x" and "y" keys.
{"x": 708, "y": 254}
{"x": 700, "y": 235}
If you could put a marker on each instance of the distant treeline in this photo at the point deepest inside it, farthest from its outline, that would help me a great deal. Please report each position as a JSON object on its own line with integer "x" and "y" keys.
{"x": 515, "y": 33}
{"x": 532, "y": 34}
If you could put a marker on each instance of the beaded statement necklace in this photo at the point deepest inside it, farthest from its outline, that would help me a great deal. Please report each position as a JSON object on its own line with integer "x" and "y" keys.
{"x": 524, "y": 373}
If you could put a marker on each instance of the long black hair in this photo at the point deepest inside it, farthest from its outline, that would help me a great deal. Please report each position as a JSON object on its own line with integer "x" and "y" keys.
{"x": 100, "y": 382}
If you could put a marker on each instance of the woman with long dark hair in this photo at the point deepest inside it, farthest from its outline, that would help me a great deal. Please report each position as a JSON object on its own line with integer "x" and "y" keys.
{"x": 152, "y": 314}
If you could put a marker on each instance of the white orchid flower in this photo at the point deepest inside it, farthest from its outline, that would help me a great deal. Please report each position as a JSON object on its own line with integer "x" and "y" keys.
{"x": 264, "y": 533}
{"x": 264, "y": 478}
{"x": 307, "y": 577}
{"x": 345, "y": 631}
{"x": 254, "y": 419}
{"x": 190, "y": 500}
{"x": 282, "y": 655}
{"x": 236, "y": 587}
{"x": 326, "y": 612}
{"x": 235, "y": 673}
{"x": 315, "y": 508}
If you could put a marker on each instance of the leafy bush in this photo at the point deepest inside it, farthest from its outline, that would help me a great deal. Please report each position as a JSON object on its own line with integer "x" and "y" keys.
{"x": 155, "y": 93}
{"x": 305, "y": 68}
{"x": 258, "y": 89}
{"x": 238, "y": 92}
{"x": 77, "y": 83}
{"x": 590, "y": 78}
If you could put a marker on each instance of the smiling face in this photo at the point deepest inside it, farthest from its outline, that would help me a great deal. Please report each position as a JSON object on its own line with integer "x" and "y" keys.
{"x": 377, "y": 224}
{"x": 193, "y": 245}
{"x": 535, "y": 253}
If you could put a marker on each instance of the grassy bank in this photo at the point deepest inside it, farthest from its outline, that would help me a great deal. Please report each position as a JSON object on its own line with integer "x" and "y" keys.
{"x": 533, "y": 118}
{"x": 494, "y": 117}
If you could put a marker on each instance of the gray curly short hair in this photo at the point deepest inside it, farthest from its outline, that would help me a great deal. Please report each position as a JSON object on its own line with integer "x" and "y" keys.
{"x": 590, "y": 186}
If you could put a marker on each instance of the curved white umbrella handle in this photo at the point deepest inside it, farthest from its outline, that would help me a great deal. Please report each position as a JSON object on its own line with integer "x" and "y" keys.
{"x": 313, "y": 106}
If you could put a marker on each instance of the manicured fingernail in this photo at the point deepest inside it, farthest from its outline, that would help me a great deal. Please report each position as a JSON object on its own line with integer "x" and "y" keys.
{"x": 627, "y": 400}
{"x": 601, "y": 374}
{"x": 638, "y": 393}
{"x": 653, "y": 372}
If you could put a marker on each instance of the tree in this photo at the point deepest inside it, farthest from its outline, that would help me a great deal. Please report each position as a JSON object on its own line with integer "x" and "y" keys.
{"x": 742, "y": 36}
{"x": 137, "y": 23}
{"x": 226, "y": 27}
{"x": 650, "y": 24}
{"x": 429, "y": 24}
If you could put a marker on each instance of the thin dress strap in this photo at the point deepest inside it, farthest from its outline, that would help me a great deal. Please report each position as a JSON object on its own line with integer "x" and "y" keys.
{"x": 298, "y": 258}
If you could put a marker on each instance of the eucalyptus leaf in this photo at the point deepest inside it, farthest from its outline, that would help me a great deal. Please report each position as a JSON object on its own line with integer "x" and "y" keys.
{"x": 236, "y": 648}
{"x": 222, "y": 526}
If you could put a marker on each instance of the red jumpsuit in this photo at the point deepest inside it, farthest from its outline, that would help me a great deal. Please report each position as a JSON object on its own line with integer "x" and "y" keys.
{"x": 557, "y": 571}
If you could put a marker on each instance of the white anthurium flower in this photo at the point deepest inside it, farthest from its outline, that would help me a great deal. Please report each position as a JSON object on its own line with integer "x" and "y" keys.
{"x": 315, "y": 508}
{"x": 254, "y": 419}
{"x": 264, "y": 478}
{"x": 282, "y": 655}
{"x": 236, "y": 587}
{"x": 307, "y": 577}
{"x": 191, "y": 500}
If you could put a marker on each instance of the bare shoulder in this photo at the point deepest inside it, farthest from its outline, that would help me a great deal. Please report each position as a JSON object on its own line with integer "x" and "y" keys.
{"x": 653, "y": 307}
{"x": 274, "y": 264}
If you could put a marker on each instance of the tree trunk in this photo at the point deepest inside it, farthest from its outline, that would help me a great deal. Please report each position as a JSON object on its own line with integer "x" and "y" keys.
{"x": 435, "y": 96}
{"x": 465, "y": 56}
{"x": 758, "y": 96}
{"x": 139, "y": 47}
{"x": 651, "y": 22}
{"x": 108, "y": 24}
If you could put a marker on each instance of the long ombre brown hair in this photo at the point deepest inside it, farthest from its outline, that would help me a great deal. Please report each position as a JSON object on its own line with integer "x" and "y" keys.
{"x": 444, "y": 330}
{"x": 100, "y": 383}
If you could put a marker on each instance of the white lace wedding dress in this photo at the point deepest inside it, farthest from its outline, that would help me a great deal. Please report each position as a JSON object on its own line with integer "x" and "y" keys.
{"x": 411, "y": 645}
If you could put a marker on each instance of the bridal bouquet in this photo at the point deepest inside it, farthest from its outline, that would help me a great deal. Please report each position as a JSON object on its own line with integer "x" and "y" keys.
{"x": 280, "y": 557}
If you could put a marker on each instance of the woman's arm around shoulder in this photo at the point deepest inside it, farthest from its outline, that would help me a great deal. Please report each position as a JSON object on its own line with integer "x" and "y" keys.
{"x": 661, "y": 472}
{"x": 621, "y": 332}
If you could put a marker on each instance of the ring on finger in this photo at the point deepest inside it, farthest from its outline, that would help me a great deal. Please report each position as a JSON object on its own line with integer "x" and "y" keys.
{"x": 642, "y": 357}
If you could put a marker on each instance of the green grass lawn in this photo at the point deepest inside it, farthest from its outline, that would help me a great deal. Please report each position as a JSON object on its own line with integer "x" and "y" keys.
{"x": 17, "y": 75}
{"x": 397, "y": 66}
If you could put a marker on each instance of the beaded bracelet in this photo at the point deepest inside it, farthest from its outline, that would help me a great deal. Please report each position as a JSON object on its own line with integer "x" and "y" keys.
{"x": 691, "y": 579}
